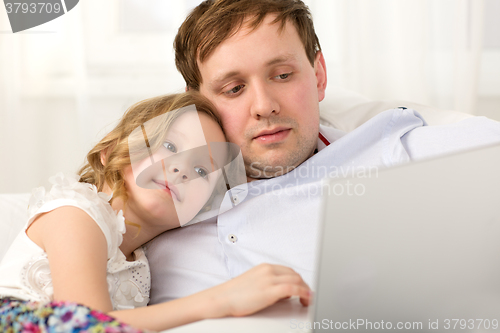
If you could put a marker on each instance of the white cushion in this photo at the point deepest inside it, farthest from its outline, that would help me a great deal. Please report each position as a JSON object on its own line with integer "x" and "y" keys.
{"x": 347, "y": 110}
{"x": 14, "y": 214}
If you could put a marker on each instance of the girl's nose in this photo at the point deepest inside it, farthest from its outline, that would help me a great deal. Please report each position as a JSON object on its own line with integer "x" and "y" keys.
{"x": 179, "y": 172}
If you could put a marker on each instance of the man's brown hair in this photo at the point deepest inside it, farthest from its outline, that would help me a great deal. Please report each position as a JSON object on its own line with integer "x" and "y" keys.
{"x": 214, "y": 21}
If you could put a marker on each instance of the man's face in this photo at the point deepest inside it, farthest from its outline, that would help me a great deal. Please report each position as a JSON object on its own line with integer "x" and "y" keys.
{"x": 267, "y": 93}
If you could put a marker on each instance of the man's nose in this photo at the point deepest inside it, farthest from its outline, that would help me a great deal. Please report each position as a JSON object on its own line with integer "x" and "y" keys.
{"x": 264, "y": 103}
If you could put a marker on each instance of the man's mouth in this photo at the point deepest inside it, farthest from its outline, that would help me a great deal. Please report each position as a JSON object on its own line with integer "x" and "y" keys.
{"x": 167, "y": 187}
{"x": 272, "y": 135}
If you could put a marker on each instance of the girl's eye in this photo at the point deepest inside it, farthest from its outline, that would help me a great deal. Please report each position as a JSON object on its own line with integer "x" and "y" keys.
{"x": 234, "y": 90}
{"x": 201, "y": 172}
{"x": 170, "y": 146}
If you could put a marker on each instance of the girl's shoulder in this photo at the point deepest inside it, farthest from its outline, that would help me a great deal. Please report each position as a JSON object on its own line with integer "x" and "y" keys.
{"x": 66, "y": 190}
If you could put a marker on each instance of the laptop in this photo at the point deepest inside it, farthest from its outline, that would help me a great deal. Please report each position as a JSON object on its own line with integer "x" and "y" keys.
{"x": 412, "y": 248}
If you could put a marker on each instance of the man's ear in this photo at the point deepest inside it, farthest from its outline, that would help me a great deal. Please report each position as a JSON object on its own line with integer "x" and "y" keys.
{"x": 320, "y": 71}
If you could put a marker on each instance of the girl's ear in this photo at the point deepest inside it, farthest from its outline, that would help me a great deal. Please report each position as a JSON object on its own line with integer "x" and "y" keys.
{"x": 104, "y": 156}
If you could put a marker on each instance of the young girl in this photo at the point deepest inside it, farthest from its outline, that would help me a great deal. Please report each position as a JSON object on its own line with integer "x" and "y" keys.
{"x": 78, "y": 265}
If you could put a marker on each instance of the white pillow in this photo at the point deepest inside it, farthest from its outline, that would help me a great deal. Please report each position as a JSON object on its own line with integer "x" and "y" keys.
{"x": 347, "y": 110}
{"x": 14, "y": 214}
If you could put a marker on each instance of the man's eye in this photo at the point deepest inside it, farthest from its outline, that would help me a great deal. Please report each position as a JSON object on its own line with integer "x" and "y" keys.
{"x": 283, "y": 76}
{"x": 201, "y": 172}
{"x": 170, "y": 146}
{"x": 235, "y": 90}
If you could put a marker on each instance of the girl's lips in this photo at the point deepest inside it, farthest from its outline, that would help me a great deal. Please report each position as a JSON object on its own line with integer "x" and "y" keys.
{"x": 169, "y": 188}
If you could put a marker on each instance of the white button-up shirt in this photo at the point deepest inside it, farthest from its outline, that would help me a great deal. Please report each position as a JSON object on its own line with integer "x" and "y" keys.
{"x": 276, "y": 220}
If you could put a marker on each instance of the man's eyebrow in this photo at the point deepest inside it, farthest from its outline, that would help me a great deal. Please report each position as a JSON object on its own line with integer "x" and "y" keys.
{"x": 278, "y": 60}
{"x": 281, "y": 59}
{"x": 223, "y": 77}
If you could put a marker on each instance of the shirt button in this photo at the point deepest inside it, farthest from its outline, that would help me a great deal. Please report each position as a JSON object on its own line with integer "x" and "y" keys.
{"x": 235, "y": 200}
{"x": 232, "y": 238}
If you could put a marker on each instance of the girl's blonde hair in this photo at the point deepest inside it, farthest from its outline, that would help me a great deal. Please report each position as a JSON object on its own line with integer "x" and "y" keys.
{"x": 113, "y": 149}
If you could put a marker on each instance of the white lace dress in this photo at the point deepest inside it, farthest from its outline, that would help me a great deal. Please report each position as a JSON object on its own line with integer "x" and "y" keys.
{"x": 25, "y": 272}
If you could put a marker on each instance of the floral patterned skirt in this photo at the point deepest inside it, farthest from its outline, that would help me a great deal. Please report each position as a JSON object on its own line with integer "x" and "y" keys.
{"x": 34, "y": 317}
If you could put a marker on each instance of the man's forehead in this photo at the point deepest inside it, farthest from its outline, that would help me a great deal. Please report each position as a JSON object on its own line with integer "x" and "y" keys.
{"x": 226, "y": 63}
{"x": 249, "y": 26}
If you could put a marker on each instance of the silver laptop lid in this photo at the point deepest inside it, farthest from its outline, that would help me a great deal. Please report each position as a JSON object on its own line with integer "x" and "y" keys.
{"x": 416, "y": 247}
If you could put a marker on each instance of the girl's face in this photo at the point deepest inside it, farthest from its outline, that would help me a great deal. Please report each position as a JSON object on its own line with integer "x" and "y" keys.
{"x": 175, "y": 182}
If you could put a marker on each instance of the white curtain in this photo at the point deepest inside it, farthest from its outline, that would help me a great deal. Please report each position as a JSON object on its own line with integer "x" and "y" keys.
{"x": 425, "y": 51}
{"x": 41, "y": 97}
{"x": 63, "y": 84}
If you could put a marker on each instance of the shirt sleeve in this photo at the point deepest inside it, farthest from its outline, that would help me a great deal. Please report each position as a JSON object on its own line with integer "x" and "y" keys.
{"x": 432, "y": 141}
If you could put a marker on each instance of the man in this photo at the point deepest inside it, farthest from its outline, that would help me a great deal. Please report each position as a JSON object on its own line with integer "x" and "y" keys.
{"x": 260, "y": 63}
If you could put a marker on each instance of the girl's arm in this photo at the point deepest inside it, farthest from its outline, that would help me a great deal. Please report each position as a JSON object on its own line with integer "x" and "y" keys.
{"x": 248, "y": 293}
{"x": 77, "y": 252}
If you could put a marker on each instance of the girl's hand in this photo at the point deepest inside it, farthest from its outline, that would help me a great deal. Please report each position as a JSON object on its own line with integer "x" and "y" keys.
{"x": 258, "y": 288}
